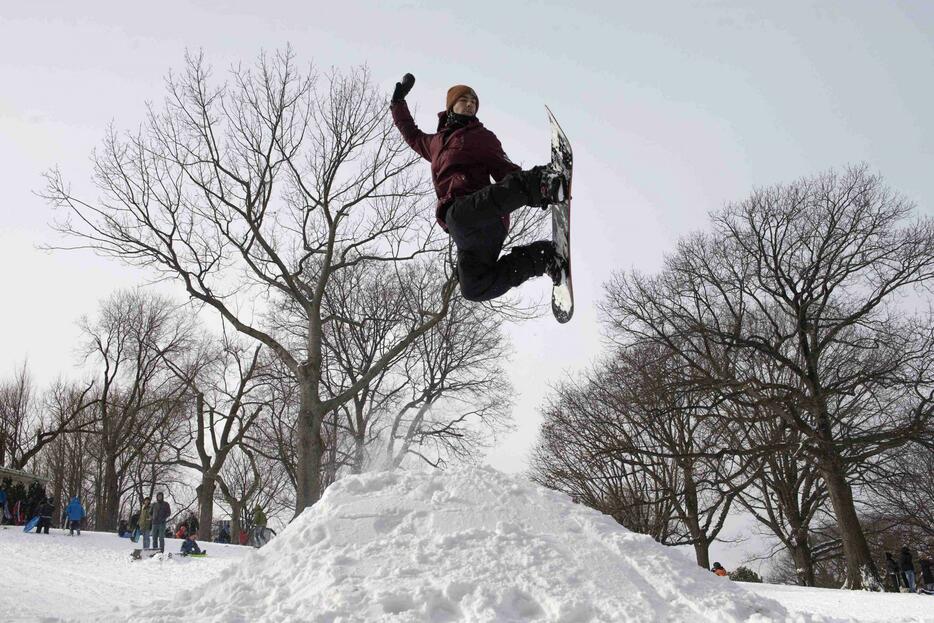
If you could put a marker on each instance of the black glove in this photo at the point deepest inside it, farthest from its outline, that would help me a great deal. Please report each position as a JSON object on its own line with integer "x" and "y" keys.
{"x": 403, "y": 88}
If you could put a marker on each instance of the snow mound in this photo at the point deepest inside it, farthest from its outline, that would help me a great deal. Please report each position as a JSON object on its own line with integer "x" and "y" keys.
{"x": 466, "y": 545}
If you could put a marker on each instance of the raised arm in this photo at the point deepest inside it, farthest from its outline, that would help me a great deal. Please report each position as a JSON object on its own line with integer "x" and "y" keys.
{"x": 415, "y": 138}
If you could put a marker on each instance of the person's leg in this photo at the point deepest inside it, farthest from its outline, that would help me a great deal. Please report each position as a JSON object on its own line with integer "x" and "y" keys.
{"x": 146, "y": 534}
{"x": 911, "y": 580}
{"x": 479, "y": 232}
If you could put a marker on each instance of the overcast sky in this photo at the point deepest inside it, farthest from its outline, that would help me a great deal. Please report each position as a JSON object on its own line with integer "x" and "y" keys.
{"x": 673, "y": 109}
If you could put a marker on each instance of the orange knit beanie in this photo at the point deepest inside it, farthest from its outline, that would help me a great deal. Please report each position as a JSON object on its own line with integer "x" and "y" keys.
{"x": 456, "y": 92}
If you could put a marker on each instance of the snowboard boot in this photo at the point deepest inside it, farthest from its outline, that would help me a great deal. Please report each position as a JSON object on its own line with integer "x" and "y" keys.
{"x": 547, "y": 186}
{"x": 555, "y": 266}
{"x": 541, "y": 258}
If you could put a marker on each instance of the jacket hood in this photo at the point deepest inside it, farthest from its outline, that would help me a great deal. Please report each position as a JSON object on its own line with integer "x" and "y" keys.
{"x": 75, "y": 500}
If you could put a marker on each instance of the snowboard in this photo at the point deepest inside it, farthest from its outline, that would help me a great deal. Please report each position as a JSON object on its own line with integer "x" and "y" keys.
{"x": 562, "y": 159}
{"x": 32, "y": 523}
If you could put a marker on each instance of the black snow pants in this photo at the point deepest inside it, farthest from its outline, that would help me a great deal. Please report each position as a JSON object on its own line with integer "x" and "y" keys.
{"x": 475, "y": 222}
{"x": 44, "y": 523}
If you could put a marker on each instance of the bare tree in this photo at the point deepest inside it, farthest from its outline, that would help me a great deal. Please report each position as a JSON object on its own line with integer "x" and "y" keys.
{"x": 224, "y": 380}
{"x": 138, "y": 396}
{"x": 271, "y": 183}
{"x": 29, "y": 421}
{"x": 636, "y": 413}
{"x": 454, "y": 394}
{"x": 564, "y": 460}
{"x": 901, "y": 487}
{"x": 247, "y": 481}
{"x": 806, "y": 277}
{"x": 785, "y": 497}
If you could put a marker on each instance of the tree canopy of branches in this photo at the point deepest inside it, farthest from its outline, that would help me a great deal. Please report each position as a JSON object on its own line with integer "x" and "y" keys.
{"x": 808, "y": 279}
{"x": 634, "y": 442}
{"x": 273, "y": 182}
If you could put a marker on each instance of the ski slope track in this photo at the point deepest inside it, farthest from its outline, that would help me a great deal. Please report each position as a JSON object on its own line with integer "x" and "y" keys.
{"x": 469, "y": 545}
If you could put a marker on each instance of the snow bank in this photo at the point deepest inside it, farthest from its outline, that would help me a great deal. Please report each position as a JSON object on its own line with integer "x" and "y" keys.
{"x": 471, "y": 545}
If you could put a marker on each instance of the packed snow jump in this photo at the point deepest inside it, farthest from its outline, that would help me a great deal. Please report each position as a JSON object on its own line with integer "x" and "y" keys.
{"x": 464, "y": 155}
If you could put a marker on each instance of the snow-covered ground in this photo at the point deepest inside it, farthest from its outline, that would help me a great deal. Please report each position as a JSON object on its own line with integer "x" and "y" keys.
{"x": 468, "y": 545}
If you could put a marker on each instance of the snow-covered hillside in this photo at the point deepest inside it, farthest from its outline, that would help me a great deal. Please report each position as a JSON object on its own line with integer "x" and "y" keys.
{"x": 470, "y": 545}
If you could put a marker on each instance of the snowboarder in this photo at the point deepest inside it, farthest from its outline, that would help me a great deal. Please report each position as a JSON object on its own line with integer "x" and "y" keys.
{"x": 719, "y": 570}
{"x": 464, "y": 155}
{"x": 44, "y": 511}
{"x": 75, "y": 513}
{"x": 161, "y": 511}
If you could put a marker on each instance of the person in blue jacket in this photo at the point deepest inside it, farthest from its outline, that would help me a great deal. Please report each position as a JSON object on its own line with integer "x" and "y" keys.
{"x": 4, "y": 511}
{"x": 75, "y": 513}
{"x": 190, "y": 546}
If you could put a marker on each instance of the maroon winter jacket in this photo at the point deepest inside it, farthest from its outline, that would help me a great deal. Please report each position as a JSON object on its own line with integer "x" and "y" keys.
{"x": 462, "y": 159}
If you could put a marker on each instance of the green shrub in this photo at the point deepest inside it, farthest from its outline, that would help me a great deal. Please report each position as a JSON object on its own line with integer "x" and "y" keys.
{"x": 745, "y": 574}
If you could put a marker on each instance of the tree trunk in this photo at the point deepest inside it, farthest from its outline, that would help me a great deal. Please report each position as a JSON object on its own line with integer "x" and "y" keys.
{"x": 108, "y": 506}
{"x": 235, "y": 513}
{"x": 702, "y": 553}
{"x": 861, "y": 572}
{"x": 311, "y": 449}
{"x": 804, "y": 562}
{"x": 206, "y": 505}
{"x": 359, "y": 453}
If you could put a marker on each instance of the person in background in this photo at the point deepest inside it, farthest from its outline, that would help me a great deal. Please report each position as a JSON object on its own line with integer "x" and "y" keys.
{"x": 123, "y": 530}
{"x": 4, "y": 506}
{"x": 259, "y": 517}
{"x": 75, "y": 513}
{"x": 907, "y": 566}
{"x": 190, "y": 546}
{"x": 891, "y": 569}
{"x": 224, "y": 535}
{"x": 45, "y": 516}
{"x": 161, "y": 511}
{"x": 193, "y": 524}
{"x": 134, "y": 526}
{"x": 719, "y": 570}
{"x": 182, "y": 531}
{"x": 145, "y": 521}
{"x": 927, "y": 572}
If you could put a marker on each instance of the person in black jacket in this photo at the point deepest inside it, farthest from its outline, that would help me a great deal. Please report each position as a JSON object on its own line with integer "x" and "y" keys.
{"x": 907, "y": 567}
{"x": 190, "y": 546}
{"x": 161, "y": 511}
{"x": 44, "y": 511}
{"x": 927, "y": 573}
{"x": 894, "y": 575}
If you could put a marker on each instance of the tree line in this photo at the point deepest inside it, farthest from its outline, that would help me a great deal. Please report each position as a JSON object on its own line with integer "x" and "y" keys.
{"x": 780, "y": 363}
